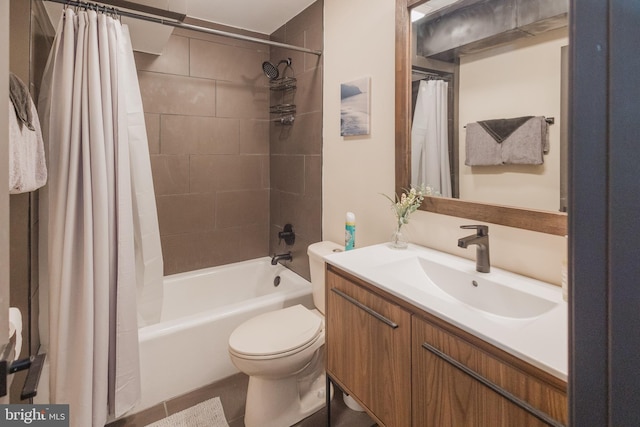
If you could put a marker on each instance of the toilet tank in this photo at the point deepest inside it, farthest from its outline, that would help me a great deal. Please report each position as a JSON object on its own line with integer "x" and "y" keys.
{"x": 317, "y": 252}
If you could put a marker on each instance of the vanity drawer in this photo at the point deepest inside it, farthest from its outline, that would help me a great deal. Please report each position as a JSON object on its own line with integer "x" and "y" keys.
{"x": 368, "y": 349}
{"x": 456, "y": 383}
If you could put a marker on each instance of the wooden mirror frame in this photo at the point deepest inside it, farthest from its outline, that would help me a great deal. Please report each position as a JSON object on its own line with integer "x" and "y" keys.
{"x": 528, "y": 219}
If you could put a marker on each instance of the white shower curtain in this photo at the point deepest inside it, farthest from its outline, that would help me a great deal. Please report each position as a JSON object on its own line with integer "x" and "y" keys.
{"x": 429, "y": 138}
{"x": 90, "y": 248}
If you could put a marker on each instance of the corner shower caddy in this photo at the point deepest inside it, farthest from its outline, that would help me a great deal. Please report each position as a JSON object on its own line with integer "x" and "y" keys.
{"x": 284, "y": 88}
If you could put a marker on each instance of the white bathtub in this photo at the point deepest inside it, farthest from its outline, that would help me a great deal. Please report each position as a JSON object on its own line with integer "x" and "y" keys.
{"x": 187, "y": 349}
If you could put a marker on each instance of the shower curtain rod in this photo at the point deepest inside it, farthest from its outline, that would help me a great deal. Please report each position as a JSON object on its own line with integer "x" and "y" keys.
{"x": 180, "y": 24}
{"x": 430, "y": 74}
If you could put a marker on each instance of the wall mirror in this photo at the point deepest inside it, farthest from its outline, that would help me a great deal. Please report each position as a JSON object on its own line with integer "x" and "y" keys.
{"x": 499, "y": 59}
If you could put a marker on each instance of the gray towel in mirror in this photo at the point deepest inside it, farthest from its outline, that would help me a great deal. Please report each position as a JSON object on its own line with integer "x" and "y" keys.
{"x": 524, "y": 144}
{"x": 501, "y": 129}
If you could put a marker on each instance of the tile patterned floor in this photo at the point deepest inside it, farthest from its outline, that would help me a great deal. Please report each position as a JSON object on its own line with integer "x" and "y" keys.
{"x": 232, "y": 392}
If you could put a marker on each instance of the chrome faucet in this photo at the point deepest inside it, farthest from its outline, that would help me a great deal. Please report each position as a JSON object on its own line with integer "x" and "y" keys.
{"x": 481, "y": 239}
{"x": 284, "y": 257}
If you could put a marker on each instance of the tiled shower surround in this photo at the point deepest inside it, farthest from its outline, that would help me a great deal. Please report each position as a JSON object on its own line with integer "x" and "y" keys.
{"x": 296, "y": 151}
{"x": 226, "y": 177}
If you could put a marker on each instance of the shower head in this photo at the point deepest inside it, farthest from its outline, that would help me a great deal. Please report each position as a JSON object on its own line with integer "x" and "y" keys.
{"x": 271, "y": 70}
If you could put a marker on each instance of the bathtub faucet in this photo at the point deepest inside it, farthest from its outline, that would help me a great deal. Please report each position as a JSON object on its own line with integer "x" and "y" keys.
{"x": 284, "y": 257}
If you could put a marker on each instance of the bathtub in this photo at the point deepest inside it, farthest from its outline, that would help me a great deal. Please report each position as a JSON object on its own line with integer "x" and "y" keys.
{"x": 187, "y": 349}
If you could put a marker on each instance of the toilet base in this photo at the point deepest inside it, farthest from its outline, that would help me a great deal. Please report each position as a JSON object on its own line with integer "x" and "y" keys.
{"x": 285, "y": 401}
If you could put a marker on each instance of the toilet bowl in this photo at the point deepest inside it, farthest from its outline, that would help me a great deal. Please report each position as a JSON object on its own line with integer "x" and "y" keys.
{"x": 282, "y": 352}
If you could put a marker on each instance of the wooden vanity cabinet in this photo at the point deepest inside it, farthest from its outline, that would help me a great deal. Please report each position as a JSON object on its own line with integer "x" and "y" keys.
{"x": 410, "y": 368}
{"x": 368, "y": 348}
{"x": 463, "y": 381}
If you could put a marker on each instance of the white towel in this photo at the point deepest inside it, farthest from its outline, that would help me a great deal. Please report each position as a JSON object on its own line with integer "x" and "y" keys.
{"x": 15, "y": 327}
{"x": 27, "y": 167}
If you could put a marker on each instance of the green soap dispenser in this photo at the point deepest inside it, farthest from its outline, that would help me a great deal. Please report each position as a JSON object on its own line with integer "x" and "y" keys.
{"x": 350, "y": 232}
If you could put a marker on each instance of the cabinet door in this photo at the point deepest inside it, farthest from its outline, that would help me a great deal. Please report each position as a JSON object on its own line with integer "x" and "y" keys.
{"x": 455, "y": 384}
{"x": 369, "y": 349}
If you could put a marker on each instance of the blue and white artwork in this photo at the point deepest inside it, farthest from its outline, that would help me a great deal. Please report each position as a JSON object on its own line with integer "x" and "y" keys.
{"x": 354, "y": 107}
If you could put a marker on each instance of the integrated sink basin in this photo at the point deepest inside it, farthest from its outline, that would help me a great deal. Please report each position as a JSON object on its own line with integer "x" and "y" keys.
{"x": 498, "y": 293}
{"x": 487, "y": 294}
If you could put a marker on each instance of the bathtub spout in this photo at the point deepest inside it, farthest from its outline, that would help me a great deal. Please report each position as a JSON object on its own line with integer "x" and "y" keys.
{"x": 284, "y": 257}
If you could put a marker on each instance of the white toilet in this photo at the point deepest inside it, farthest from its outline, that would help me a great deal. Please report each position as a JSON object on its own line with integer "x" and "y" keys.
{"x": 283, "y": 353}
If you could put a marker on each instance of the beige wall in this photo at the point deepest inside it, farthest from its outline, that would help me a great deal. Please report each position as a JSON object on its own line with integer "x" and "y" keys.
{"x": 359, "y": 40}
{"x": 518, "y": 79}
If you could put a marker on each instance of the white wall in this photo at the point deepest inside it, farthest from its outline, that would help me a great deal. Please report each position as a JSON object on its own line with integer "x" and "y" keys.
{"x": 359, "y": 41}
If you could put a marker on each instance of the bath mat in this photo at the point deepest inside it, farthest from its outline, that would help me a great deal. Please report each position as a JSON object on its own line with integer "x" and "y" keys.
{"x": 206, "y": 414}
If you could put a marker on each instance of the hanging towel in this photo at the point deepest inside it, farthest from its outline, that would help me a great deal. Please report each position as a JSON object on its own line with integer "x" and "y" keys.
{"x": 527, "y": 144}
{"x": 481, "y": 149}
{"x": 501, "y": 129}
{"x": 19, "y": 95}
{"x": 518, "y": 141}
{"x": 27, "y": 167}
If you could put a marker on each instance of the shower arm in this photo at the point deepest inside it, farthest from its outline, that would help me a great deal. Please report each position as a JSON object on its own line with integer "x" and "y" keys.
{"x": 177, "y": 21}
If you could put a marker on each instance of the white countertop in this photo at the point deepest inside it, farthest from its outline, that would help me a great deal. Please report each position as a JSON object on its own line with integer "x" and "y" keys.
{"x": 541, "y": 340}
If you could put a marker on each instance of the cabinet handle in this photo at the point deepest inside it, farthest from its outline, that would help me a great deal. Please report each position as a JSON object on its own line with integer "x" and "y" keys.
{"x": 358, "y": 304}
{"x": 496, "y": 388}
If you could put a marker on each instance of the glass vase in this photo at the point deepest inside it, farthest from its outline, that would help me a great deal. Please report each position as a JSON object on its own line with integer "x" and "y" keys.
{"x": 398, "y": 239}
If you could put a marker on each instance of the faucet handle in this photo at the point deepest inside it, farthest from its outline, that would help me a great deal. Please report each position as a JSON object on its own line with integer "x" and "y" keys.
{"x": 287, "y": 235}
{"x": 481, "y": 230}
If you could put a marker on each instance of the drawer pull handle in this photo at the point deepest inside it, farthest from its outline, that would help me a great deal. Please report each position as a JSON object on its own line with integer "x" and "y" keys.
{"x": 358, "y": 304}
{"x": 496, "y": 388}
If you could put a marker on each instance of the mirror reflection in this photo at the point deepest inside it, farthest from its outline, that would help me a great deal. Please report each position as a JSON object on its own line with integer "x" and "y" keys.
{"x": 488, "y": 122}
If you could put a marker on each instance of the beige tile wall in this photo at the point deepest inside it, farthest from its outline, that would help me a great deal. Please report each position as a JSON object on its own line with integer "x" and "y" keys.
{"x": 206, "y": 106}
{"x": 296, "y": 151}
{"x": 226, "y": 178}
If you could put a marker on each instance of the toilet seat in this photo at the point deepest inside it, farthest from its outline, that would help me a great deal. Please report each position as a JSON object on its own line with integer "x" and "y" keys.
{"x": 276, "y": 334}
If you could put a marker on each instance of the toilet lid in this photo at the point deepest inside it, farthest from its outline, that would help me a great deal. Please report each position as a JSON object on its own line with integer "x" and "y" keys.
{"x": 276, "y": 332}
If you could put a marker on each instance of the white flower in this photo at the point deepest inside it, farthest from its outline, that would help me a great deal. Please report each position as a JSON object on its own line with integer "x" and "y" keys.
{"x": 408, "y": 202}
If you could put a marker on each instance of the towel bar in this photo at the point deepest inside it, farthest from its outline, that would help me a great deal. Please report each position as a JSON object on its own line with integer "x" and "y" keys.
{"x": 549, "y": 120}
